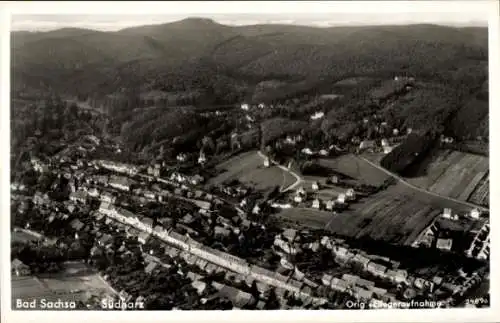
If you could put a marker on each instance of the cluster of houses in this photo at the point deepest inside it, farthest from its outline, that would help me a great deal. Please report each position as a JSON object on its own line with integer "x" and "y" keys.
{"x": 301, "y": 196}
{"x": 39, "y": 166}
{"x": 474, "y": 214}
{"x": 384, "y": 145}
{"x": 365, "y": 289}
{"x": 191, "y": 246}
{"x": 117, "y": 167}
{"x": 247, "y": 107}
{"x": 430, "y": 238}
{"x": 480, "y": 246}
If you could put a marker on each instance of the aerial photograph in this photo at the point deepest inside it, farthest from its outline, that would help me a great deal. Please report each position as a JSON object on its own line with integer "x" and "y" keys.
{"x": 249, "y": 161}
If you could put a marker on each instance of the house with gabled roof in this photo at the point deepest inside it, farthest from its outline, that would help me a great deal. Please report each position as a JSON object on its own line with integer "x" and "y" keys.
{"x": 376, "y": 269}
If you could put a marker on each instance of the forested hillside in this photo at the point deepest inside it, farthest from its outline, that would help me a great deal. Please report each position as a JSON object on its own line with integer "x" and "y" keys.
{"x": 209, "y": 66}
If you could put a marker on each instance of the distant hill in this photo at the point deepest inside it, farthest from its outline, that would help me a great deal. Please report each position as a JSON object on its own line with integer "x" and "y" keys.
{"x": 192, "y": 50}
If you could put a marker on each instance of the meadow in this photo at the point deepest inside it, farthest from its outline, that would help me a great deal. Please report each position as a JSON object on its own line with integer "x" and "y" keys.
{"x": 248, "y": 168}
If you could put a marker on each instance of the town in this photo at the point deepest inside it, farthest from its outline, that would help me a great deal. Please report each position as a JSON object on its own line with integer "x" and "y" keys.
{"x": 136, "y": 224}
{"x": 266, "y": 167}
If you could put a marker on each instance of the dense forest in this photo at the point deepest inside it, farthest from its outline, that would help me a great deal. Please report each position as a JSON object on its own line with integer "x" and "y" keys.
{"x": 410, "y": 151}
{"x": 141, "y": 76}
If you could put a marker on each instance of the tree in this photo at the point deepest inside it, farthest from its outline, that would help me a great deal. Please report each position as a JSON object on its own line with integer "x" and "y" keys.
{"x": 272, "y": 301}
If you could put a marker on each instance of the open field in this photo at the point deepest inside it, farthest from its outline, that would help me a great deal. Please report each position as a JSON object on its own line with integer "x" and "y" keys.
{"x": 355, "y": 168}
{"x": 455, "y": 174}
{"x": 249, "y": 169}
{"x": 308, "y": 217}
{"x": 396, "y": 218}
{"x": 398, "y": 215}
{"x": 77, "y": 277}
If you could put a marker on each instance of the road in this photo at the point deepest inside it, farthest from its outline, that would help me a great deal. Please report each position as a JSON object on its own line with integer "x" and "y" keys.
{"x": 404, "y": 182}
{"x": 297, "y": 177}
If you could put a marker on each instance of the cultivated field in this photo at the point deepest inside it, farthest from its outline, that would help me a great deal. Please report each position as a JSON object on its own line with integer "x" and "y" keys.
{"x": 396, "y": 218}
{"x": 73, "y": 284}
{"x": 455, "y": 174}
{"x": 249, "y": 169}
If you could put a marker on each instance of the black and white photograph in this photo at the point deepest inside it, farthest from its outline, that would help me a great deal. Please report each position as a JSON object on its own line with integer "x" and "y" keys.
{"x": 249, "y": 160}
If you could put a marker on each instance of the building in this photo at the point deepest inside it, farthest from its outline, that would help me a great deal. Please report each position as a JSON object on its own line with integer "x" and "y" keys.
{"x": 148, "y": 223}
{"x": 150, "y": 267}
{"x": 376, "y": 269}
{"x": 339, "y": 285}
{"x": 444, "y": 244}
{"x": 330, "y": 204}
{"x": 79, "y": 196}
{"x": 341, "y": 198}
{"x": 199, "y": 286}
{"x": 220, "y": 231}
{"x": 143, "y": 237}
{"x": 118, "y": 167}
{"x": 316, "y": 204}
{"x": 19, "y": 268}
{"x": 327, "y": 280}
{"x": 315, "y": 186}
{"x": 447, "y": 213}
{"x": 104, "y": 240}
{"x": 367, "y": 144}
{"x": 350, "y": 279}
{"x": 397, "y": 275}
{"x": 475, "y": 213}
{"x": 93, "y": 192}
{"x": 197, "y": 179}
{"x": 267, "y": 162}
{"x": 317, "y": 115}
{"x": 121, "y": 183}
{"x": 290, "y": 234}
{"x": 360, "y": 259}
{"x": 379, "y": 291}
{"x": 298, "y": 198}
{"x": 388, "y": 149}
{"x": 202, "y": 159}
{"x": 245, "y": 107}
{"x": 350, "y": 194}
{"x": 307, "y": 151}
{"x": 300, "y": 191}
{"x": 362, "y": 293}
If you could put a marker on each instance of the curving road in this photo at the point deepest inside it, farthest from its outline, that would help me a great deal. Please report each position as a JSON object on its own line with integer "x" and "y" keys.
{"x": 404, "y": 182}
{"x": 297, "y": 177}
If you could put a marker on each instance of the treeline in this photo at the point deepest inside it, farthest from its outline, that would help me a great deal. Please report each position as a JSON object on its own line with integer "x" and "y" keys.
{"x": 53, "y": 119}
{"x": 275, "y": 128}
{"x": 411, "y": 150}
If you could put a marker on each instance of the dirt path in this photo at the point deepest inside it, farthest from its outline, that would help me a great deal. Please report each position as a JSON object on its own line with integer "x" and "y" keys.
{"x": 285, "y": 169}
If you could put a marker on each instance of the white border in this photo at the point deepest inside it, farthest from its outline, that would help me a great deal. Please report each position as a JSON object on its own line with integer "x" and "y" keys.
{"x": 490, "y": 10}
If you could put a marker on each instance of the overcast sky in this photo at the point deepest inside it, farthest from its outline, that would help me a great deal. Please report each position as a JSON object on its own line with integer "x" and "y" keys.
{"x": 100, "y": 16}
